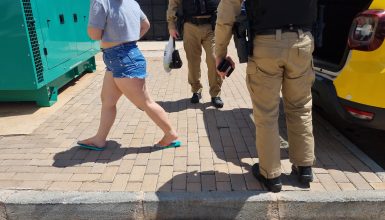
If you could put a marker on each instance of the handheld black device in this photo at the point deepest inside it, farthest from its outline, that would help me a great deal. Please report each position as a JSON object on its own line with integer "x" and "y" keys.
{"x": 225, "y": 66}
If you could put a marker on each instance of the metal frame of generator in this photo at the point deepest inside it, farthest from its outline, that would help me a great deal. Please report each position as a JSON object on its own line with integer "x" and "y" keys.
{"x": 44, "y": 45}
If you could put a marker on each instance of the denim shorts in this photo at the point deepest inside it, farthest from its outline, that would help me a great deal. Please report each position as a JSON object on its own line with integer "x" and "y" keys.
{"x": 125, "y": 61}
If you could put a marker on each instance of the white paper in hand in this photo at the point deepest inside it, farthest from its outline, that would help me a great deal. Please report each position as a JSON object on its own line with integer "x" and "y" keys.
{"x": 167, "y": 57}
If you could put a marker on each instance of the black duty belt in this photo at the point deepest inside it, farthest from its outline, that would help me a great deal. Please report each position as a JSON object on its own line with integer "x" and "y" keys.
{"x": 199, "y": 21}
{"x": 283, "y": 30}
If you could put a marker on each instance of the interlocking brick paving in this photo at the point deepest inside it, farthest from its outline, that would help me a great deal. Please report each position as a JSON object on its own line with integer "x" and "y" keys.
{"x": 216, "y": 155}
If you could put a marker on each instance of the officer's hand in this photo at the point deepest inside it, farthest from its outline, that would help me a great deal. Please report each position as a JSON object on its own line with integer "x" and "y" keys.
{"x": 174, "y": 33}
{"x": 218, "y": 60}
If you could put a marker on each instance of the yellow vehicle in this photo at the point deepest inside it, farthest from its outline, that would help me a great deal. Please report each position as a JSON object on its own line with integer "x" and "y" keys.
{"x": 349, "y": 60}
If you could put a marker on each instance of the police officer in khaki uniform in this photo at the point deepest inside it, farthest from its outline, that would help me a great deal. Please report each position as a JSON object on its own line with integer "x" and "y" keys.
{"x": 281, "y": 62}
{"x": 198, "y": 31}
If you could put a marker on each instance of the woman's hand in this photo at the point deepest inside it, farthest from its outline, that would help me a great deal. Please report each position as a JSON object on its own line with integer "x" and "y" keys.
{"x": 174, "y": 33}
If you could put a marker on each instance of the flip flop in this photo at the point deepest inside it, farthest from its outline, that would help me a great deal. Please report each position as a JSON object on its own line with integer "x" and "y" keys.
{"x": 91, "y": 147}
{"x": 173, "y": 144}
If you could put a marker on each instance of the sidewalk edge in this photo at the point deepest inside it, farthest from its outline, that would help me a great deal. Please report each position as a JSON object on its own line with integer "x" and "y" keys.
{"x": 219, "y": 205}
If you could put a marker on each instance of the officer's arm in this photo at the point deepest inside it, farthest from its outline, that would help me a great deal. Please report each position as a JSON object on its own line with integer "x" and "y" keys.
{"x": 171, "y": 13}
{"x": 227, "y": 11}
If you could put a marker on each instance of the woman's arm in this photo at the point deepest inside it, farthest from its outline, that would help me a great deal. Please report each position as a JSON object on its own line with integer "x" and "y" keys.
{"x": 144, "y": 27}
{"x": 95, "y": 33}
{"x": 97, "y": 20}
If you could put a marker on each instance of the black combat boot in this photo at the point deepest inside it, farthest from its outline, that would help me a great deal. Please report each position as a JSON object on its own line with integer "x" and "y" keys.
{"x": 217, "y": 102}
{"x": 273, "y": 185}
{"x": 195, "y": 98}
{"x": 305, "y": 174}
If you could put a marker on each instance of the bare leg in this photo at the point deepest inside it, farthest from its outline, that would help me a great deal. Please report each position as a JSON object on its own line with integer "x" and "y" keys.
{"x": 135, "y": 90}
{"x": 110, "y": 95}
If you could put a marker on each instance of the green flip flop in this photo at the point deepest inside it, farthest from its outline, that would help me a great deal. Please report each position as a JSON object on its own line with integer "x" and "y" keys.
{"x": 173, "y": 144}
{"x": 91, "y": 147}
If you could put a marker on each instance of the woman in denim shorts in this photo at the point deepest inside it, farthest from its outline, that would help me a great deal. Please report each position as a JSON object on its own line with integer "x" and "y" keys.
{"x": 119, "y": 24}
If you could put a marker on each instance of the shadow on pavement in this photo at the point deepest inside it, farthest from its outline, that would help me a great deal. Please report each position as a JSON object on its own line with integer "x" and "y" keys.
{"x": 8, "y": 109}
{"x": 198, "y": 202}
{"x": 371, "y": 141}
{"x": 113, "y": 152}
{"x": 231, "y": 134}
{"x": 19, "y": 108}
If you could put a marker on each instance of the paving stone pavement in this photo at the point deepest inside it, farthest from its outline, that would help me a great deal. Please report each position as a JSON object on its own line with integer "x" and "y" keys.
{"x": 217, "y": 152}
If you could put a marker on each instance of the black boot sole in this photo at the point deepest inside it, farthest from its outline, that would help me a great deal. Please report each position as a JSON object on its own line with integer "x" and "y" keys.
{"x": 271, "y": 188}
{"x": 216, "y": 105}
{"x": 194, "y": 101}
{"x": 305, "y": 179}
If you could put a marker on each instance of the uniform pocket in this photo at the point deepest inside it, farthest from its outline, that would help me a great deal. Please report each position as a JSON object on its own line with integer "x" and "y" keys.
{"x": 305, "y": 52}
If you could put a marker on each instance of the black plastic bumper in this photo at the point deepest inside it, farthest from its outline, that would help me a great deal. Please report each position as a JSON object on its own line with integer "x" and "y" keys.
{"x": 325, "y": 97}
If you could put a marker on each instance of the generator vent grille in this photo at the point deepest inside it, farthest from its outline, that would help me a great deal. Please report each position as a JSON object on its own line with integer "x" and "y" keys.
{"x": 33, "y": 39}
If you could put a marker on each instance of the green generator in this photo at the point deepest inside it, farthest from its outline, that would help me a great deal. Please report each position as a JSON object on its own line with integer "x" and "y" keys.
{"x": 43, "y": 45}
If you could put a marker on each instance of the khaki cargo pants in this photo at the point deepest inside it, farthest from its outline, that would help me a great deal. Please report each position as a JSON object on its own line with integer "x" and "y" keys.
{"x": 196, "y": 36}
{"x": 282, "y": 63}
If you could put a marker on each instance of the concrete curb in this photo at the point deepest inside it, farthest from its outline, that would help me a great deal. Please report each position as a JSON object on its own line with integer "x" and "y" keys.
{"x": 202, "y": 205}
{"x": 332, "y": 205}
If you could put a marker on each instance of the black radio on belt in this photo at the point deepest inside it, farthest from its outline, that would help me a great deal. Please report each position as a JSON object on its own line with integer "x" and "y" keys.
{"x": 226, "y": 67}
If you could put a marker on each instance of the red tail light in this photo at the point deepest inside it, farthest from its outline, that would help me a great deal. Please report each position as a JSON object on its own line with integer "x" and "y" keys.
{"x": 368, "y": 116}
{"x": 368, "y": 30}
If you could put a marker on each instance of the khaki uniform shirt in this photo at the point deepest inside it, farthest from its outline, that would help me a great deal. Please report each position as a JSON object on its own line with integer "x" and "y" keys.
{"x": 173, "y": 6}
{"x": 227, "y": 11}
